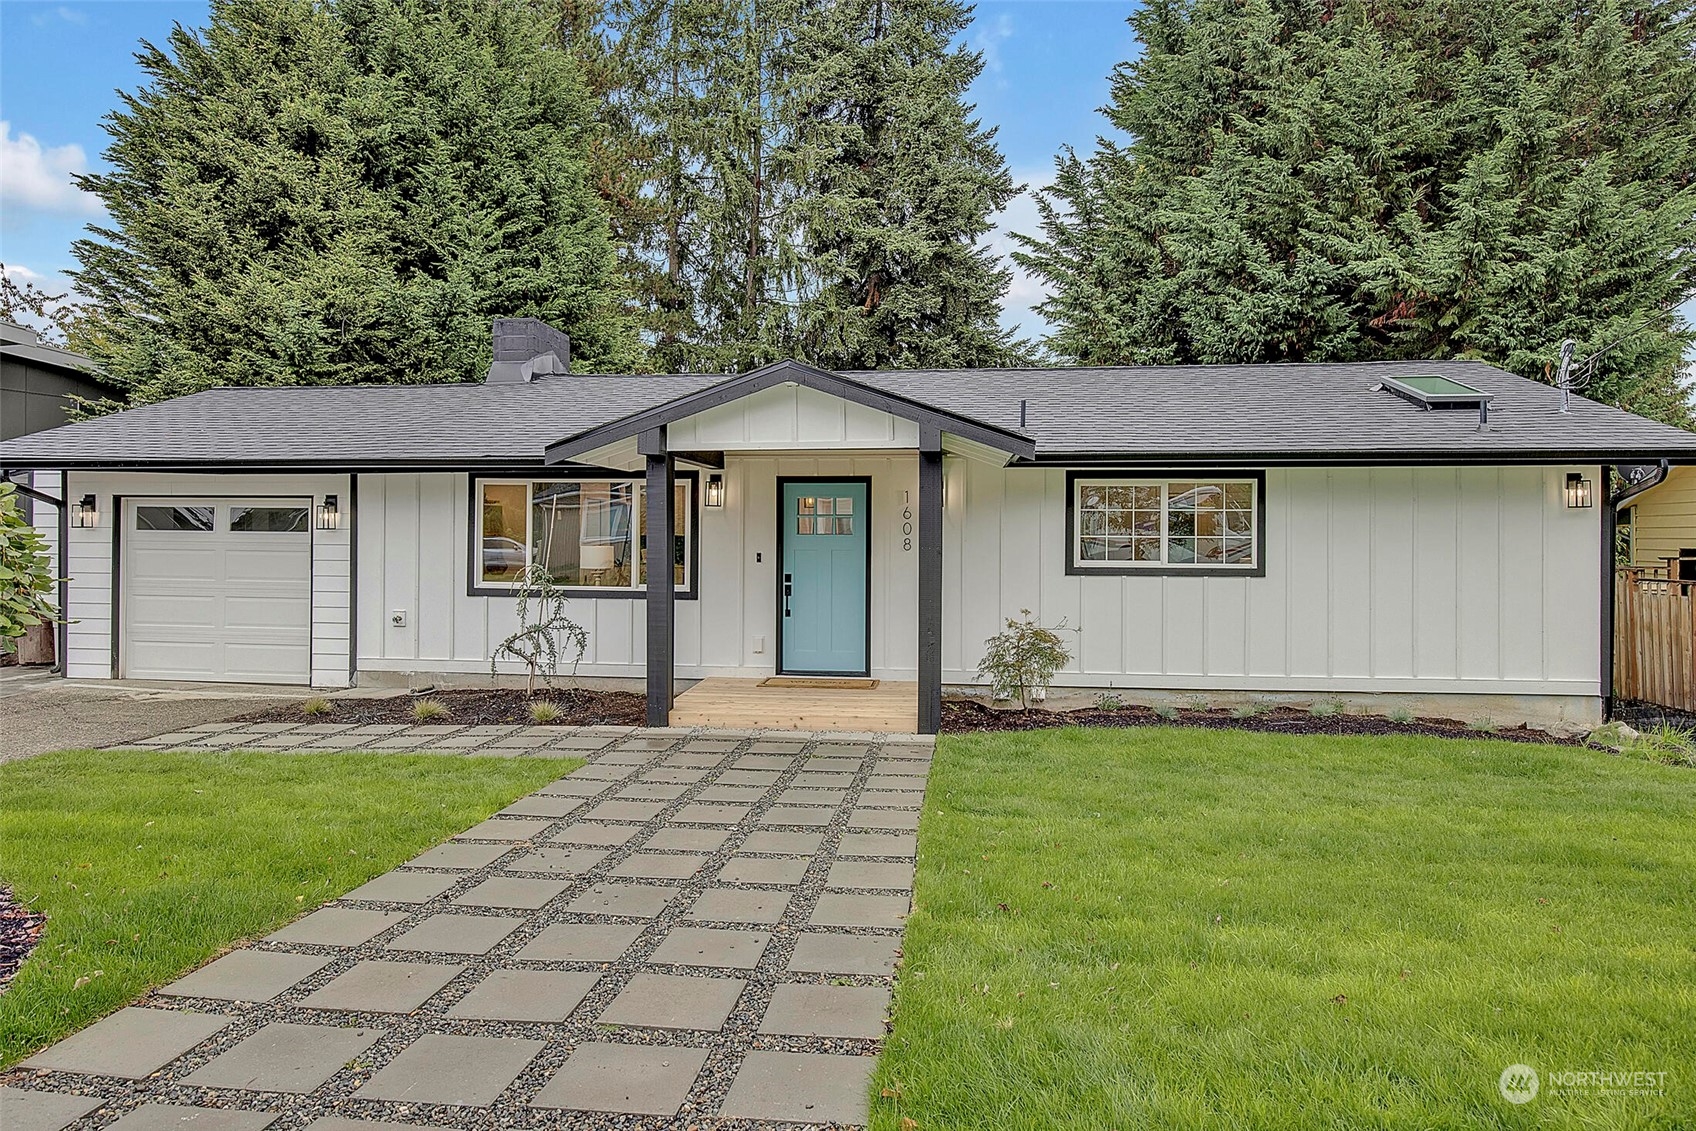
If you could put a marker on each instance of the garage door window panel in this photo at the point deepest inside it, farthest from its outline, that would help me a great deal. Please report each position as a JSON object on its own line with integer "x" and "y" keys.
{"x": 197, "y": 519}
{"x": 268, "y": 520}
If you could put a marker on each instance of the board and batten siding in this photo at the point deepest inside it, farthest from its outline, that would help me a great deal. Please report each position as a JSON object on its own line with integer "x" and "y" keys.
{"x": 1391, "y": 579}
{"x": 90, "y": 647}
{"x": 414, "y": 554}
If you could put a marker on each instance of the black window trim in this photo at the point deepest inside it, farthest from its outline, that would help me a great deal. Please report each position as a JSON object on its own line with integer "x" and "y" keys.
{"x": 1162, "y": 569}
{"x": 475, "y": 586}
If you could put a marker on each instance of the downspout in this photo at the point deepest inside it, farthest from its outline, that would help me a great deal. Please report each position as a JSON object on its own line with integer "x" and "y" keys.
{"x": 61, "y": 631}
{"x": 1610, "y": 527}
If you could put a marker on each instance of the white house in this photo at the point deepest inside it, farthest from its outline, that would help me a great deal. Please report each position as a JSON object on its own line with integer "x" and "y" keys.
{"x": 1432, "y": 530}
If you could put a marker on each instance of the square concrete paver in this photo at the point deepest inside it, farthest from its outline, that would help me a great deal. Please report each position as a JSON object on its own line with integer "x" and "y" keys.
{"x": 838, "y": 910}
{"x": 763, "y": 870}
{"x": 525, "y": 995}
{"x": 891, "y": 799}
{"x": 463, "y": 1071}
{"x": 582, "y": 942}
{"x": 247, "y": 975}
{"x": 894, "y": 875}
{"x": 559, "y": 861}
{"x": 782, "y": 844}
{"x": 576, "y": 787}
{"x": 827, "y": 952}
{"x": 659, "y": 866}
{"x": 821, "y": 779}
{"x": 797, "y": 815}
{"x": 25, "y": 1109}
{"x": 688, "y": 840}
{"x": 642, "y": 901}
{"x": 827, "y": 1011}
{"x": 733, "y": 905}
{"x": 895, "y": 782}
{"x": 735, "y": 794}
{"x": 709, "y": 946}
{"x": 599, "y": 836}
{"x": 681, "y": 775}
{"x": 762, "y": 762}
{"x": 457, "y": 934}
{"x": 902, "y": 845}
{"x": 131, "y": 1043}
{"x": 512, "y": 891}
{"x": 626, "y": 1079}
{"x": 812, "y": 797}
{"x": 176, "y": 1117}
{"x": 624, "y": 756}
{"x": 651, "y": 791}
{"x": 542, "y": 805}
{"x": 403, "y": 887}
{"x": 284, "y": 1057}
{"x": 748, "y": 777}
{"x": 669, "y": 1001}
{"x": 601, "y": 771}
{"x": 507, "y": 829}
{"x": 800, "y": 1087}
{"x": 904, "y": 820}
{"x": 375, "y": 986}
{"x": 459, "y": 857}
{"x": 700, "y": 814}
{"x": 625, "y": 811}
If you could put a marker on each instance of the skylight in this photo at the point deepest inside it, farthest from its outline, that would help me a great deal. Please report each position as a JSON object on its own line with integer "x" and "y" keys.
{"x": 1431, "y": 390}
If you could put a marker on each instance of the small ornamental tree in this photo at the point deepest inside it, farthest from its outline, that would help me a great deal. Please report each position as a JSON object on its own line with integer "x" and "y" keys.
{"x": 25, "y": 579}
{"x": 1023, "y": 656}
{"x": 544, "y": 630}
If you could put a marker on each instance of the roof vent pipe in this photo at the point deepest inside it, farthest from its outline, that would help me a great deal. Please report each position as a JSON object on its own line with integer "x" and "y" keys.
{"x": 527, "y": 348}
{"x": 1022, "y": 406}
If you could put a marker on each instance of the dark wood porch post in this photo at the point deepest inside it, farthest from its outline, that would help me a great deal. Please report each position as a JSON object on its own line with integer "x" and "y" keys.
{"x": 930, "y": 579}
{"x": 662, "y": 595}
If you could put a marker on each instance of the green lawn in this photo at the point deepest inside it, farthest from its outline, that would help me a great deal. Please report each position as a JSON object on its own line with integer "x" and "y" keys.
{"x": 1185, "y": 928}
{"x": 148, "y": 864}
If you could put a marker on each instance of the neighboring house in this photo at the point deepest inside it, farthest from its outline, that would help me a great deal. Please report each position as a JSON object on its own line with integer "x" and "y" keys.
{"x": 1324, "y": 530}
{"x": 1658, "y": 509}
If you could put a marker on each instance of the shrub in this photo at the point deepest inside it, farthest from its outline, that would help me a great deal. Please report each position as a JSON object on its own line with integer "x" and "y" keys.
{"x": 544, "y": 711}
{"x": 1400, "y": 715}
{"x": 423, "y": 710}
{"x": 1108, "y": 701}
{"x": 1023, "y": 656}
{"x": 1166, "y": 711}
{"x": 25, "y": 577}
{"x": 537, "y": 642}
{"x": 315, "y": 706}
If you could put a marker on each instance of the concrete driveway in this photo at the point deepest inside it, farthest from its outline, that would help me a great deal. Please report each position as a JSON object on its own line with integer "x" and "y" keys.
{"x": 40, "y": 712}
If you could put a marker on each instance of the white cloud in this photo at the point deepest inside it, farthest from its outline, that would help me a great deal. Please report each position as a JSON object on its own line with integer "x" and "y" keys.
{"x": 1018, "y": 306}
{"x": 61, "y": 12}
{"x": 987, "y": 38}
{"x": 33, "y": 176}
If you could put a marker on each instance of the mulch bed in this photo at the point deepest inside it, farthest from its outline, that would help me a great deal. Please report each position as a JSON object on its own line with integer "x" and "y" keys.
{"x": 968, "y": 717}
{"x": 20, "y": 931}
{"x": 495, "y": 706}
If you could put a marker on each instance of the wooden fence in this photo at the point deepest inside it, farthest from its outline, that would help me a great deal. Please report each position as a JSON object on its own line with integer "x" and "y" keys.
{"x": 1655, "y": 637}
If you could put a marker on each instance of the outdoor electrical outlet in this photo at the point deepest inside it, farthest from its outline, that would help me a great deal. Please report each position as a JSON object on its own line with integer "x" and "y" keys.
{"x": 759, "y": 645}
{"x": 398, "y": 618}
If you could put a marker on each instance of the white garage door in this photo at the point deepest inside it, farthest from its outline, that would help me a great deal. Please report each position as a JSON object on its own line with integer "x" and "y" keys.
{"x": 217, "y": 589}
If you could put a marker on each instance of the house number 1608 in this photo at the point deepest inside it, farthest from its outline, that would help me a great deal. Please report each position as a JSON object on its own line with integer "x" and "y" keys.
{"x": 906, "y": 528}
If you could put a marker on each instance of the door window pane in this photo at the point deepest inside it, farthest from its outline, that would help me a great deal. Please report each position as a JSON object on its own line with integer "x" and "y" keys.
{"x": 268, "y": 520}
{"x": 505, "y": 530}
{"x": 173, "y": 518}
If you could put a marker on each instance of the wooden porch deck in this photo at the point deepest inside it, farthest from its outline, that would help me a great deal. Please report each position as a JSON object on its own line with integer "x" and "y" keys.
{"x": 888, "y": 708}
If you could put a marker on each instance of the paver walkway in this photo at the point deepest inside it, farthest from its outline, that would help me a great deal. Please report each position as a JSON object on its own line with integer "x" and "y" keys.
{"x": 689, "y": 928}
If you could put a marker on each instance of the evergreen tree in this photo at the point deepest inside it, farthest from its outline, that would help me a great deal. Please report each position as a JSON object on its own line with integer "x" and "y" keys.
{"x": 899, "y": 191}
{"x": 1355, "y": 180}
{"x": 311, "y": 193}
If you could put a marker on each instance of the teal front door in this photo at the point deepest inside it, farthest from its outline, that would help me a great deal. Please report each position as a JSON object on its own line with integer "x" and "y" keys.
{"x": 824, "y": 575}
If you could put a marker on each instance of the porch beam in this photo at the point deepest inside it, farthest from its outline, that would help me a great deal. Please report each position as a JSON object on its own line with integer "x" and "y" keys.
{"x": 661, "y": 592}
{"x": 930, "y": 579}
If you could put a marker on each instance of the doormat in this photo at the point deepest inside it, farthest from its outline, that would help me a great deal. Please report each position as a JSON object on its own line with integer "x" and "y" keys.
{"x": 820, "y": 682}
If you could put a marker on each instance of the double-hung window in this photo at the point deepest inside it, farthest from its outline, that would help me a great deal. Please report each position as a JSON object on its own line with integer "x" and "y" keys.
{"x": 1201, "y": 524}
{"x": 589, "y": 534}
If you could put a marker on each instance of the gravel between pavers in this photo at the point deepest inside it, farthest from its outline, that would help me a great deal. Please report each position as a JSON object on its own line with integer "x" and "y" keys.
{"x": 726, "y": 1048}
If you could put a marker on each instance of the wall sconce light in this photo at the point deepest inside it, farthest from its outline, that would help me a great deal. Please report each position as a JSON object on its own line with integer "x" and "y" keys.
{"x": 715, "y": 490}
{"x": 329, "y": 517}
{"x": 84, "y": 513}
{"x": 1577, "y": 491}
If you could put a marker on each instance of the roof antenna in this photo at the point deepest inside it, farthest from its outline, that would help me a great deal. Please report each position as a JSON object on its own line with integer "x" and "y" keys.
{"x": 1564, "y": 380}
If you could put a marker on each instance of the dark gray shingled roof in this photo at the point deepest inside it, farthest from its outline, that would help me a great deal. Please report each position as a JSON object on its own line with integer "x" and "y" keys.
{"x": 1260, "y": 413}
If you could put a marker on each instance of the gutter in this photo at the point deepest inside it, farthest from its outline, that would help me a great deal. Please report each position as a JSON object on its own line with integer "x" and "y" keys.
{"x": 1654, "y": 479}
